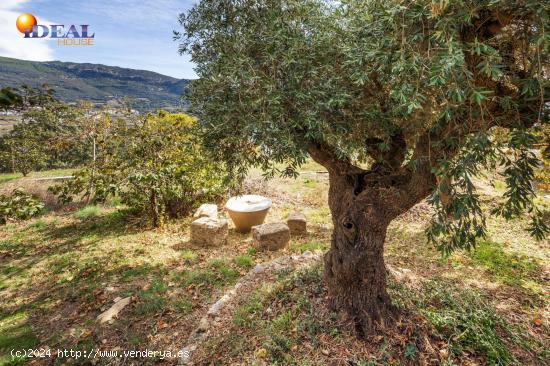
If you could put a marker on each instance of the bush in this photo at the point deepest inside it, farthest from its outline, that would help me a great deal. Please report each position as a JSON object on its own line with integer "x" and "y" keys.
{"x": 156, "y": 166}
{"x": 19, "y": 206}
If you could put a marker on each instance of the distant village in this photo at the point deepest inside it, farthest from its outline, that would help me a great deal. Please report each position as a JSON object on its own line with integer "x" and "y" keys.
{"x": 8, "y": 118}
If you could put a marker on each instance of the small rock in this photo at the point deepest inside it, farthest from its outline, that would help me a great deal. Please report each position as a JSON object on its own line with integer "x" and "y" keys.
{"x": 282, "y": 260}
{"x": 208, "y": 232}
{"x": 297, "y": 224}
{"x": 271, "y": 236}
{"x": 218, "y": 305}
{"x": 112, "y": 312}
{"x": 207, "y": 210}
{"x": 259, "y": 268}
{"x": 325, "y": 352}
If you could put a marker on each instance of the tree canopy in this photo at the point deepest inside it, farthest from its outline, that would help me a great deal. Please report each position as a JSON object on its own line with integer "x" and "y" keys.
{"x": 399, "y": 100}
{"x": 414, "y": 88}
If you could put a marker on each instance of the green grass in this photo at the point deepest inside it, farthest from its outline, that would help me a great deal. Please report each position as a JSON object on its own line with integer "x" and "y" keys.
{"x": 61, "y": 262}
{"x": 15, "y": 334}
{"x": 65, "y": 260}
{"x": 278, "y": 346}
{"x": 311, "y": 246}
{"x": 200, "y": 276}
{"x": 511, "y": 269}
{"x": 311, "y": 165}
{"x": 244, "y": 313}
{"x": 87, "y": 213}
{"x": 228, "y": 275}
{"x": 217, "y": 273}
{"x": 7, "y": 177}
{"x": 319, "y": 216}
{"x": 244, "y": 261}
{"x": 465, "y": 320}
{"x": 132, "y": 273}
{"x": 304, "y": 184}
{"x": 10, "y": 270}
{"x": 52, "y": 173}
{"x": 184, "y": 306}
{"x": 292, "y": 317}
{"x": 153, "y": 299}
{"x": 295, "y": 312}
{"x": 309, "y": 183}
{"x": 39, "y": 224}
{"x": 189, "y": 256}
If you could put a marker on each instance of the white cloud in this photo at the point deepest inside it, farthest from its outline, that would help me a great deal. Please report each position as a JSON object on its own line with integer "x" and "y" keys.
{"x": 12, "y": 44}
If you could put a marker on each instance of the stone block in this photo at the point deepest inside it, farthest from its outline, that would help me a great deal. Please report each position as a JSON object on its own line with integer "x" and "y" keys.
{"x": 271, "y": 236}
{"x": 209, "y": 232}
{"x": 207, "y": 210}
{"x": 297, "y": 224}
{"x": 112, "y": 312}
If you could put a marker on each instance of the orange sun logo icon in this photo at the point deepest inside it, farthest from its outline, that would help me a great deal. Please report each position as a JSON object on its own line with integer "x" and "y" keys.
{"x": 25, "y": 22}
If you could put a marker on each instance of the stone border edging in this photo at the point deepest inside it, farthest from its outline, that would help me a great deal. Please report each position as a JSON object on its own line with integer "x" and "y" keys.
{"x": 201, "y": 332}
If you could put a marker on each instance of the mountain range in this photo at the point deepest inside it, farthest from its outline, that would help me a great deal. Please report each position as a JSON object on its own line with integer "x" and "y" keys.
{"x": 145, "y": 90}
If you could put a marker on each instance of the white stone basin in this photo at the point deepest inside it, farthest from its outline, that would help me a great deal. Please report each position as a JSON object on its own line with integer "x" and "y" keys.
{"x": 248, "y": 203}
{"x": 247, "y": 211}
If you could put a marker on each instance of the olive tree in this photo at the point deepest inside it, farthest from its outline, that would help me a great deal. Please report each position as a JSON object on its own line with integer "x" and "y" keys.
{"x": 397, "y": 99}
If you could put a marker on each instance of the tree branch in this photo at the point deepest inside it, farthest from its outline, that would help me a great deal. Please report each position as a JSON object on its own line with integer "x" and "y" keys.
{"x": 326, "y": 156}
{"x": 390, "y": 159}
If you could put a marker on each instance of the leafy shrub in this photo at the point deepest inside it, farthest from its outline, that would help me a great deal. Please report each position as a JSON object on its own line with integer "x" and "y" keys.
{"x": 19, "y": 206}
{"x": 156, "y": 167}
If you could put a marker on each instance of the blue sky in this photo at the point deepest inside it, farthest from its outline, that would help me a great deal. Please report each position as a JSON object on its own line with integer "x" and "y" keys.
{"x": 128, "y": 33}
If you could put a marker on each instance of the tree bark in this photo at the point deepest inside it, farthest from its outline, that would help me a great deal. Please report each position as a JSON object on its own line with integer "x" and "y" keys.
{"x": 363, "y": 203}
{"x": 92, "y": 176}
{"x": 355, "y": 272}
{"x": 155, "y": 215}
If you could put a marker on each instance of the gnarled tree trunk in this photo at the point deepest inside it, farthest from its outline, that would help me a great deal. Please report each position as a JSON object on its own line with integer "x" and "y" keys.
{"x": 363, "y": 203}
{"x": 355, "y": 273}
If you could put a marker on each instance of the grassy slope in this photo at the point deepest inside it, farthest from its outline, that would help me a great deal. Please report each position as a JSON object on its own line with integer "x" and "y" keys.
{"x": 489, "y": 306}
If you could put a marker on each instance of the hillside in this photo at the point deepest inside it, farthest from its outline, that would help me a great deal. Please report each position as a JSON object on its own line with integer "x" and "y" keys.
{"x": 94, "y": 82}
